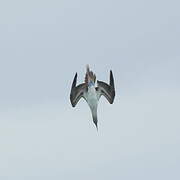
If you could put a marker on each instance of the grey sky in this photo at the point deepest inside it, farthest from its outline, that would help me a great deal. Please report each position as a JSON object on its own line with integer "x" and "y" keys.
{"x": 43, "y": 44}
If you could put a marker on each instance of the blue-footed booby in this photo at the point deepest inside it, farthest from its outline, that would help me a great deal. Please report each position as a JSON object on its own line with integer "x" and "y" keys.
{"x": 91, "y": 93}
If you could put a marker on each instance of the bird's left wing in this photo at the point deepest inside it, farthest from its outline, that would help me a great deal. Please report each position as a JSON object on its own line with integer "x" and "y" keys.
{"x": 76, "y": 91}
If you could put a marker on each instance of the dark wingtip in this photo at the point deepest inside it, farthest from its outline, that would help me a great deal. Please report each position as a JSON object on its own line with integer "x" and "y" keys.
{"x": 111, "y": 79}
{"x": 72, "y": 88}
{"x": 112, "y": 86}
{"x": 111, "y": 74}
{"x": 74, "y": 81}
{"x": 75, "y": 76}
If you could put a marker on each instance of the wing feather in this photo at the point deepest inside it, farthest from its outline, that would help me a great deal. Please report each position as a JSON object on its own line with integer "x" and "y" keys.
{"x": 76, "y": 91}
{"x": 107, "y": 90}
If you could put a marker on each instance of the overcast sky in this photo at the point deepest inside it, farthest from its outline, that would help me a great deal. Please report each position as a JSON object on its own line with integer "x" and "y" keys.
{"x": 43, "y": 44}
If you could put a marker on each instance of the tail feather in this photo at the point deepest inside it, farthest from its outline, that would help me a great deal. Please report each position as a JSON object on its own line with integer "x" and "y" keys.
{"x": 90, "y": 76}
{"x": 87, "y": 68}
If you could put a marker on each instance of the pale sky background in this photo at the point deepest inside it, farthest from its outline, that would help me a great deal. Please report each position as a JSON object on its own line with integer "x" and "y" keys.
{"x": 42, "y": 45}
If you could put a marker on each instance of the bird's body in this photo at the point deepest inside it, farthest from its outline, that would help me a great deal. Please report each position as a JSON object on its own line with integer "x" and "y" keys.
{"x": 92, "y": 100}
{"x": 91, "y": 97}
{"x": 92, "y": 94}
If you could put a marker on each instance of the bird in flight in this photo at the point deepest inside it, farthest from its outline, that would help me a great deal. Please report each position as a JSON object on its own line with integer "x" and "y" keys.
{"x": 91, "y": 93}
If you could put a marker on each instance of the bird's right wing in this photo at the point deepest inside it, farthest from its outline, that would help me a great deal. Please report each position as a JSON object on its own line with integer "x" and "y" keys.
{"x": 107, "y": 90}
{"x": 76, "y": 91}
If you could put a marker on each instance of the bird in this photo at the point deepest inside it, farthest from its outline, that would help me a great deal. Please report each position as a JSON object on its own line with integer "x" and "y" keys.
{"x": 92, "y": 93}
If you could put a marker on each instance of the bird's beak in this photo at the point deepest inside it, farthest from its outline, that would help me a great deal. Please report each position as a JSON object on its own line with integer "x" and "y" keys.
{"x": 96, "y": 125}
